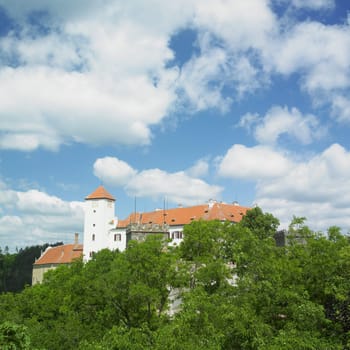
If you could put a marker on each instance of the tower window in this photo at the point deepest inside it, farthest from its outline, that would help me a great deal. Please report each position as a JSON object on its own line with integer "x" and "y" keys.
{"x": 93, "y": 236}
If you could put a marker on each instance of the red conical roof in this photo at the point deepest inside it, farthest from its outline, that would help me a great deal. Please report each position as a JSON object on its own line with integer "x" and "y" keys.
{"x": 100, "y": 193}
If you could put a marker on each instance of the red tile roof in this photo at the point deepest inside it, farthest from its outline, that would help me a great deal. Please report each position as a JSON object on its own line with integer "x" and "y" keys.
{"x": 100, "y": 193}
{"x": 62, "y": 254}
{"x": 183, "y": 216}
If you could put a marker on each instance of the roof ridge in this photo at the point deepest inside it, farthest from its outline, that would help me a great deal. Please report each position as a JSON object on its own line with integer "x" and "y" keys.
{"x": 100, "y": 193}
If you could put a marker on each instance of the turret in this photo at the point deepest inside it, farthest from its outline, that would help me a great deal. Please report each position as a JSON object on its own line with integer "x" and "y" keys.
{"x": 99, "y": 220}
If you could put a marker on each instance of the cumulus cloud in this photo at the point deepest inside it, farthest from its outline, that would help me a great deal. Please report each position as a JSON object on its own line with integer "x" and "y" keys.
{"x": 319, "y": 52}
{"x": 241, "y": 24}
{"x": 198, "y": 74}
{"x": 320, "y": 179}
{"x": 199, "y": 169}
{"x": 80, "y": 80}
{"x": 341, "y": 108}
{"x": 315, "y": 187}
{"x": 281, "y": 120}
{"x": 179, "y": 187}
{"x": 113, "y": 171}
{"x": 74, "y": 76}
{"x": 35, "y": 217}
{"x": 259, "y": 162}
{"x": 97, "y": 114}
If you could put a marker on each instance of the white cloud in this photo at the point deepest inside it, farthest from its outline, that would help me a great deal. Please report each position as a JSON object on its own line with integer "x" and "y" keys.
{"x": 279, "y": 121}
{"x": 34, "y": 201}
{"x": 199, "y": 169}
{"x": 197, "y": 76}
{"x": 75, "y": 107}
{"x": 84, "y": 81}
{"x": 341, "y": 108}
{"x": 316, "y": 188}
{"x": 257, "y": 163}
{"x": 113, "y": 171}
{"x": 80, "y": 79}
{"x": 322, "y": 178}
{"x": 176, "y": 187}
{"x": 242, "y": 24}
{"x": 180, "y": 187}
{"x": 320, "y": 52}
{"x": 35, "y": 217}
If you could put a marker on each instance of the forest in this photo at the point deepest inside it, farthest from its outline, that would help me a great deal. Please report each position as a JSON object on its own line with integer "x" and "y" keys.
{"x": 225, "y": 287}
{"x": 16, "y": 268}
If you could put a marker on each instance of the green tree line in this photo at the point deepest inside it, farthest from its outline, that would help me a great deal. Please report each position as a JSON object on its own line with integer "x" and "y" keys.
{"x": 225, "y": 287}
{"x": 16, "y": 268}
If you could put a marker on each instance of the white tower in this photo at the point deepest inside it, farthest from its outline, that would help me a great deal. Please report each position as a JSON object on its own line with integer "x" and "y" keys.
{"x": 99, "y": 221}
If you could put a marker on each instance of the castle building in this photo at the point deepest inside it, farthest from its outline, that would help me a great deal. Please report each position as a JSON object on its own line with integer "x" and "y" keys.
{"x": 53, "y": 257}
{"x": 102, "y": 229}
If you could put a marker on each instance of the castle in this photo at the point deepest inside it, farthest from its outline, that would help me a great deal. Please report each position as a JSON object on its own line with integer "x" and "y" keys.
{"x": 102, "y": 229}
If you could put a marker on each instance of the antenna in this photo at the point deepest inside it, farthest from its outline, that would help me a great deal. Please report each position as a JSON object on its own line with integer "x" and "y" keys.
{"x": 135, "y": 202}
{"x": 164, "y": 212}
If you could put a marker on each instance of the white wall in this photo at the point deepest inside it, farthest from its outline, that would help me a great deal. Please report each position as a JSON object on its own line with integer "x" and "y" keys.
{"x": 99, "y": 220}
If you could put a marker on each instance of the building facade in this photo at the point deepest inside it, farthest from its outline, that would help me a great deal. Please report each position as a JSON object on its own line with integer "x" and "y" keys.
{"x": 102, "y": 229}
{"x": 100, "y": 223}
{"x": 53, "y": 257}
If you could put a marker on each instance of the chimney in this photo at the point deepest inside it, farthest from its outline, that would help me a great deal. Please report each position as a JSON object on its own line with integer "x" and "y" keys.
{"x": 76, "y": 238}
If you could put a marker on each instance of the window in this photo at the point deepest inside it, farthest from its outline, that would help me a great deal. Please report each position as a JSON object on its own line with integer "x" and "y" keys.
{"x": 91, "y": 254}
{"x": 117, "y": 237}
{"x": 93, "y": 236}
{"x": 93, "y": 225}
{"x": 176, "y": 235}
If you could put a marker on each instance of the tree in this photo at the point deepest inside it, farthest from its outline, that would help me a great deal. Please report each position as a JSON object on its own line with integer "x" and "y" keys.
{"x": 239, "y": 291}
{"x": 13, "y": 337}
{"x": 263, "y": 225}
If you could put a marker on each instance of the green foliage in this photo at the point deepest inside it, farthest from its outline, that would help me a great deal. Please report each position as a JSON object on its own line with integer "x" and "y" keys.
{"x": 263, "y": 225}
{"x": 238, "y": 290}
{"x": 13, "y": 337}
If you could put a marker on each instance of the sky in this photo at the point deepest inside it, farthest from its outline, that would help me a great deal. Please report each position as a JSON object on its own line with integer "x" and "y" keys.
{"x": 172, "y": 102}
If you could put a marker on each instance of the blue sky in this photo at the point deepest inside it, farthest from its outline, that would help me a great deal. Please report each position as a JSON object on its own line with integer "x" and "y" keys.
{"x": 180, "y": 102}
